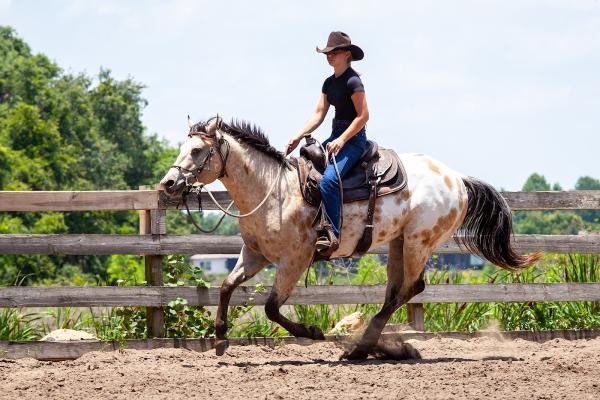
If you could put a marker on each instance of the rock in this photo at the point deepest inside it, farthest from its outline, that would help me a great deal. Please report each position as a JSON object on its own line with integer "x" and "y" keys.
{"x": 349, "y": 323}
{"x": 67, "y": 335}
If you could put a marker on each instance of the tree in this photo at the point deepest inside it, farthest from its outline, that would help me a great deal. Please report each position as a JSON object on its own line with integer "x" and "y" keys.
{"x": 535, "y": 183}
{"x": 592, "y": 217}
{"x": 546, "y": 222}
{"x": 61, "y": 131}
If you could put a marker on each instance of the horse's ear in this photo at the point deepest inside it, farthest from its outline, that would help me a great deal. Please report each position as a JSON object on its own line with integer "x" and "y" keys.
{"x": 190, "y": 123}
{"x": 213, "y": 125}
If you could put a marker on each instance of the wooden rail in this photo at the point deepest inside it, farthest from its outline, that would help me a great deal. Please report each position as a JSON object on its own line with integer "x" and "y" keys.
{"x": 94, "y": 244}
{"x": 159, "y": 296}
{"x": 79, "y": 201}
{"x": 152, "y": 199}
{"x": 154, "y": 242}
{"x": 58, "y": 351}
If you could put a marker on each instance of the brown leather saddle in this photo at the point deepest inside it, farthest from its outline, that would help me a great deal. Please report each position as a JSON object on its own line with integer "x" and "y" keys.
{"x": 379, "y": 172}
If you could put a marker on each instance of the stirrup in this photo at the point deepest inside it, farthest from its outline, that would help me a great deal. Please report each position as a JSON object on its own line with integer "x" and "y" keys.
{"x": 327, "y": 243}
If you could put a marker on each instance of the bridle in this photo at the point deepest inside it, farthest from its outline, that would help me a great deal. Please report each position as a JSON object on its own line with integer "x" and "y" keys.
{"x": 197, "y": 130}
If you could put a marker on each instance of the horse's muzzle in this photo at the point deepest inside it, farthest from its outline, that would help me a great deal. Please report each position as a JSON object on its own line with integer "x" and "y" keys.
{"x": 174, "y": 188}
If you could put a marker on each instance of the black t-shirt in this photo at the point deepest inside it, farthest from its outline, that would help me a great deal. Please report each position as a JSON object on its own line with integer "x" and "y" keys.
{"x": 339, "y": 91}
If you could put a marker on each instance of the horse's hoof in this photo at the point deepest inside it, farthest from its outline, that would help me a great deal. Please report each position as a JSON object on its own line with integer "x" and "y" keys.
{"x": 221, "y": 346}
{"x": 355, "y": 354}
{"x": 316, "y": 333}
{"x": 397, "y": 352}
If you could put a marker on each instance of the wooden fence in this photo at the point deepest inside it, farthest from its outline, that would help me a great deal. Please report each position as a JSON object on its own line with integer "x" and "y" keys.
{"x": 153, "y": 242}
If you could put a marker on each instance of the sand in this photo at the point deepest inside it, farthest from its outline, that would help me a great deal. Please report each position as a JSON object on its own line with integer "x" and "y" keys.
{"x": 480, "y": 368}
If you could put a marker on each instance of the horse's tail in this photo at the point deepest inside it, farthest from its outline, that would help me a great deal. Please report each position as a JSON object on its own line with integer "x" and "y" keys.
{"x": 487, "y": 227}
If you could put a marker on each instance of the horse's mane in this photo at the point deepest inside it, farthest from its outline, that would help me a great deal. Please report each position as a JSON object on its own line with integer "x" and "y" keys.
{"x": 249, "y": 134}
{"x": 253, "y": 136}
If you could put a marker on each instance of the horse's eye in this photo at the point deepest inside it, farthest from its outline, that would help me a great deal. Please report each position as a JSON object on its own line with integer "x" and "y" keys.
{"x": 195, "y": 152}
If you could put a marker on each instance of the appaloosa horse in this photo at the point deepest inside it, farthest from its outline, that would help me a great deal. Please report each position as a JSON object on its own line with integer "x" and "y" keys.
{"x": 414, "y": 221}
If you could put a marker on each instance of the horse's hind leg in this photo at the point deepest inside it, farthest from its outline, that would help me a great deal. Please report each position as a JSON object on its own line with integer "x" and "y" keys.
{"x": 285, "y": 281}
{"x": 249, "y": 264}
{"x": 406, "y": 262}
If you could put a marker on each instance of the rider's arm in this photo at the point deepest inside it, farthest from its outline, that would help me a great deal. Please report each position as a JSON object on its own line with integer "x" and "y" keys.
{"x": 317, "y": 118}
{"x": 313, "y": 123}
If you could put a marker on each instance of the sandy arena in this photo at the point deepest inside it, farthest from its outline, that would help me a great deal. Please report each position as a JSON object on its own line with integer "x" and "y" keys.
{"x": 480, "y": 368}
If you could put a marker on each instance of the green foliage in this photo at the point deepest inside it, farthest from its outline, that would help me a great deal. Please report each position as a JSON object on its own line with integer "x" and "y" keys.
{"x": 591, "y": 217}
{"x": 587, "y": 183}
{"x": 182, "y": 320}
{"x": 180, "y": 272}
{"x": 547, "y": 222}
{"x": 60, "y": 131}
{"x": 64, "y": 318}
{"x": 119, "y": 323}
{"x": 536, "y": 183}
{"x": 178, "y": 222}
{"x": 556, "y": 222}
{"x": 454, "y": 316}
{"x": 252, "y": 323}
{"x": 15, "y": 325}
{"x": 127, "y": 270}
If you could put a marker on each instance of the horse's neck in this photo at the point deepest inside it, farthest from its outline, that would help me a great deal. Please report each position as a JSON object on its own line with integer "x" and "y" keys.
{"x": 250, "y": 175}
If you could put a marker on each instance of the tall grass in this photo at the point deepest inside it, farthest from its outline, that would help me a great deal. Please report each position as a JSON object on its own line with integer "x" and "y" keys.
{"x": 186, "y": 321}
{"x": 580, "y": 268}
{"x": 455, "y": 316}
{"x": 14, "y": 325}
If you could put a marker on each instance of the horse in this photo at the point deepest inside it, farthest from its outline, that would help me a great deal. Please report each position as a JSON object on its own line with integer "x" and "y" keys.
{"x": 277, "y": 224}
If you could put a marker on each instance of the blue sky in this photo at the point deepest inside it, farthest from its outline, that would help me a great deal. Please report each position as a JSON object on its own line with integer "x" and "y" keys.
{"x": 494, "y": 89}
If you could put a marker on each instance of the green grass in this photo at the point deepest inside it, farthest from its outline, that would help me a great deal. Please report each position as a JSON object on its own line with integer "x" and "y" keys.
{"x": 247, "y": 321}
{"x": 14, "y": 325}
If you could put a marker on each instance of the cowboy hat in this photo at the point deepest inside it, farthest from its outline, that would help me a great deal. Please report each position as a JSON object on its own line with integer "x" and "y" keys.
{"x": 340, "y": 41}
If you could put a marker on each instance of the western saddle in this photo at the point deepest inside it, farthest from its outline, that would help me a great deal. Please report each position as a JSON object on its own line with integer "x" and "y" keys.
{"x": 379, "y": 172}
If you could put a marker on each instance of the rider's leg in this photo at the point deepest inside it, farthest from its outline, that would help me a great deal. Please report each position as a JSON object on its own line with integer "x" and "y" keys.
{"x": 330, "y": 187}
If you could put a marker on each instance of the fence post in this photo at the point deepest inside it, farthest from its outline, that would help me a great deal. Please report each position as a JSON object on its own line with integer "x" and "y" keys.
{"x": 153, "y": 222}
{"x": 416, "y": 316}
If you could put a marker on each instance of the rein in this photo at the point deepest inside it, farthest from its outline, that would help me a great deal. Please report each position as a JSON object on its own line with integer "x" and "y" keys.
{"x": 191, "y": 218}
{"x": 199, "y": 168}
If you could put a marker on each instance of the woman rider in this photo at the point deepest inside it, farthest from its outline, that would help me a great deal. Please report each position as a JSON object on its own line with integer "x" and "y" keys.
{"x": 348, "y": 140}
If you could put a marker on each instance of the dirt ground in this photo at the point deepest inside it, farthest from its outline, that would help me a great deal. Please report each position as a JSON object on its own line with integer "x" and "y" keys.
{"x": 481, "y": 368}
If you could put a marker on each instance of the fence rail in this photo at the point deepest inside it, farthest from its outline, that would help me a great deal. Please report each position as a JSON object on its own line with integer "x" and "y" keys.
{"x": 94, "y": 244}
{"x": 159, "y": 296}
{"x": 153, "y": 242}
{"x": 153, "y": 199}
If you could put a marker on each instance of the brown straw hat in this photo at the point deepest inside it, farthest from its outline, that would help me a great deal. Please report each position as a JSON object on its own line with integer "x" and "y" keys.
{"x": 340, "y": 41}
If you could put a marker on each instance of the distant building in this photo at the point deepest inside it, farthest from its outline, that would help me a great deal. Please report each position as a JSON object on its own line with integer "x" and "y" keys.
{"x": 224, "y": 263}
{"x": 456, "y": 261}
{"x": 445, "y": 261}
{"x": 215, "y": 263}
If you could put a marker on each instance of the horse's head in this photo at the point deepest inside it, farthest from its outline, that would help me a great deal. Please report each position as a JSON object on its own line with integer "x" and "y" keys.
{"x": 201, "y": 159}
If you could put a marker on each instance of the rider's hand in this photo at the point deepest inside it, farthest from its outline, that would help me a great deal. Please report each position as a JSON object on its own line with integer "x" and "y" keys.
{"x": 335, "y": 146}
{"x": 292, "y": 144}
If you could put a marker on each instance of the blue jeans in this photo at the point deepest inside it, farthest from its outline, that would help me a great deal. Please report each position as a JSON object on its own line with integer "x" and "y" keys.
{"x": 347, "y": 158}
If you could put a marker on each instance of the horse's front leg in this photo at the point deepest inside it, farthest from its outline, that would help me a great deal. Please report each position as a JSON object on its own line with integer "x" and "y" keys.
{"x": 249, "y": 264}
{"x": 285, "y": 281}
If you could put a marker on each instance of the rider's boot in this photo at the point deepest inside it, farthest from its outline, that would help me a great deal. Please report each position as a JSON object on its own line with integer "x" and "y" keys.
{"x": 327, "y": 243}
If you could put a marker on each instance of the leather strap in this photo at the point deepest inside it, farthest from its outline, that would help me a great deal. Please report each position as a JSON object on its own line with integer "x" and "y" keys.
{"x": 367, "y": 237}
